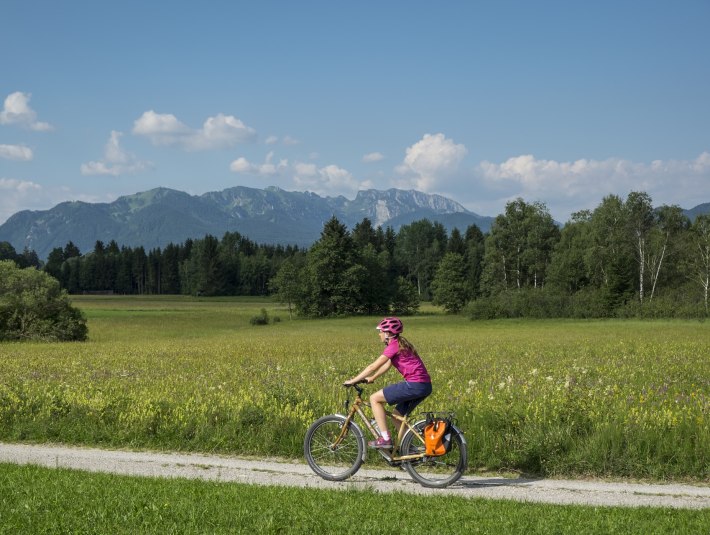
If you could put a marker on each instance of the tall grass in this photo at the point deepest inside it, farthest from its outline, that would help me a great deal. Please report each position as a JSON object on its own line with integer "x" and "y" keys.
{"x": 563, "y": 398}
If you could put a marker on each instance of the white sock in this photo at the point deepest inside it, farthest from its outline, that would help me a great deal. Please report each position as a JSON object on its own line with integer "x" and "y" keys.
{"x": 385, "y": 435}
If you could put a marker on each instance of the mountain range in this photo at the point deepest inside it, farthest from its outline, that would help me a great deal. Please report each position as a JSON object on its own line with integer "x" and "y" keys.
{"x": 160, "y": 216}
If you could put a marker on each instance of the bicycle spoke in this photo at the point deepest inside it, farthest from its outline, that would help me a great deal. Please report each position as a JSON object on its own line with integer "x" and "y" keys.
{"x": 439, "y": 471}
{"x": 329, "y": 460}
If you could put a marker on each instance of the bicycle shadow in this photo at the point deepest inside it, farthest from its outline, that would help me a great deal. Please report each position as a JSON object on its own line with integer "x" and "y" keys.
{"x": 487, "y": 482}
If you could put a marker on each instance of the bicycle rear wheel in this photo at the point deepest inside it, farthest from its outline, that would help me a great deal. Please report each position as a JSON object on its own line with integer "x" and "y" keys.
{"x": 440, "y": 471}
{"x": 329, "y": 461}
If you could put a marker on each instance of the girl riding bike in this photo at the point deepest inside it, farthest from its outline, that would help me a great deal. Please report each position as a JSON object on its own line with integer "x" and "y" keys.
{"x": 406, "y": 395}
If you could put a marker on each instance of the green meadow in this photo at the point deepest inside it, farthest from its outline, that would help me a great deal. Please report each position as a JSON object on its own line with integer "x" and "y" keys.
{"x": 43, "y": 500}
{"x": 622, "y": 399}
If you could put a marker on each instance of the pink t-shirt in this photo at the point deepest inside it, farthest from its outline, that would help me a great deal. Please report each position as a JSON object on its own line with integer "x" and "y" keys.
{"x": 407, "y": 363}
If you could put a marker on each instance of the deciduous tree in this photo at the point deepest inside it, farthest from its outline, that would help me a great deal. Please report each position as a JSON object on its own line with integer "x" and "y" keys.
{"x": 449, "y": 284}
{"x": 33, "y": 307}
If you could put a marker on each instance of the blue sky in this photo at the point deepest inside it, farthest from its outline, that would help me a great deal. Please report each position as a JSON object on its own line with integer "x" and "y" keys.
{"x": 559, "y": 102}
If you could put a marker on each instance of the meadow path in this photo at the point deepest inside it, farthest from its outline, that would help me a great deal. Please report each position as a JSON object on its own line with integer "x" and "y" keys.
{"x": 298, "y": 474}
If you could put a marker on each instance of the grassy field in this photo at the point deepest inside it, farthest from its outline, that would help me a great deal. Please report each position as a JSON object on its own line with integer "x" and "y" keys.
{"x": 40, "y": 500}
{"x": 551, "y": 398}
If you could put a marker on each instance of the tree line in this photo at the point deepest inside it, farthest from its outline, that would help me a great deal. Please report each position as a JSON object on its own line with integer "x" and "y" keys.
{"x": 622, "y": 258}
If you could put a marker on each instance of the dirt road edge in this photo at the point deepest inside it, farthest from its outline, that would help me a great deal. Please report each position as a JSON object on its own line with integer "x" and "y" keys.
{"x": 295, "y": 474}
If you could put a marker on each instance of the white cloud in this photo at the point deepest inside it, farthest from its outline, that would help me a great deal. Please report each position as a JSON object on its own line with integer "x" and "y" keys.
{"x": 16, "y": 110}
{"x": 326, "y": 180}
{"x": 287, "y": 141}
{"x": 429, "y": 162}
{"x": 566, "y": 187}
{"x": 218, "y": 132}
{"x": 329, "y": 180}
{"x": 16, "y": 152}
{"x": 305, "y": 169}
{"x": 266, "y": 169}
{"x": 116, "y": 160}
{"x": 155, "y": 125}
{"x": 20, "y": 186}
{"x": 373, "y": 157}
{"x": 241, "y": 165}
{"x": 17, "y": 195}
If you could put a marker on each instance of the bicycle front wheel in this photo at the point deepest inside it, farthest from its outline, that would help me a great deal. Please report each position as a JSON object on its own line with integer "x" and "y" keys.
{"x": 440, "y": 471}
{"x": 331, "y": 461}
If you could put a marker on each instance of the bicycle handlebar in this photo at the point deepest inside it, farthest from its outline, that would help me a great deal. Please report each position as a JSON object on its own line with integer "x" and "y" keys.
{"x": 356, "y": 387}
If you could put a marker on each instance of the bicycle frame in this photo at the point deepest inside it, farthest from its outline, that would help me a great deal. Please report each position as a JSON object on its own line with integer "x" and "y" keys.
{"x": 405, "y": 426}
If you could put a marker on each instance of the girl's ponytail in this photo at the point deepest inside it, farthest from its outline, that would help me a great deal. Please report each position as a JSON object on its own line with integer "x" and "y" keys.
{"x": 406, "y": 345}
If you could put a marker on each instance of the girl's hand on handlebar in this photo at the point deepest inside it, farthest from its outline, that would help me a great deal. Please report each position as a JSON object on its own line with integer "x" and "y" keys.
{"x": 350, "y": 382}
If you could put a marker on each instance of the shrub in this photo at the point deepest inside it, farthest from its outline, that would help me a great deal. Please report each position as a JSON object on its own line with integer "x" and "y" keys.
{"x": 261, "y": 319}
{"x": 522, "y": 303}
{"x": 682, "y": 303}
{"x": 33, "y": 307}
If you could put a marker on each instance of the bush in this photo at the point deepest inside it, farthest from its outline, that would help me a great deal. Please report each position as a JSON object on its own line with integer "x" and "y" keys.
{"x": 682, "y": 303}
{"x": 523, "y": 303}
{"x": 34, "y": 307}
{"x": 591, "y": 303}
{"x": 261, "y": 319}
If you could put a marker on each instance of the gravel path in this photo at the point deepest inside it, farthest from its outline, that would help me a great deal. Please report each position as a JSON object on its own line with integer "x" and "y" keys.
{"x": 298, "y": 474}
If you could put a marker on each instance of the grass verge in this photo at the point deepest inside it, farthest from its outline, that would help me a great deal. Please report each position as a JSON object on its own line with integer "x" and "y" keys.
{"x": 41, "y": 500}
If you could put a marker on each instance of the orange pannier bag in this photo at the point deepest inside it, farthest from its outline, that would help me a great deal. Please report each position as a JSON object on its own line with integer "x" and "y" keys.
{"x": 434, "y": 437}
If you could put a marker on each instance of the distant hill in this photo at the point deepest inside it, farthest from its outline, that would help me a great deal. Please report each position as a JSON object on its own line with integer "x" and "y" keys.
{"x": 698, "y": 210}
{"x": 271, "y": 216}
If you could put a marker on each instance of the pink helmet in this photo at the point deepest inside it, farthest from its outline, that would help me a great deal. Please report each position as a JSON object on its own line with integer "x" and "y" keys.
{"x": 392, "y": 325}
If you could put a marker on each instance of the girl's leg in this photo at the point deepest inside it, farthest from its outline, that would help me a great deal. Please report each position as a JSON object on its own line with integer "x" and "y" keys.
{"x": 377, "y": 403}
{"x": 397, "y": 423}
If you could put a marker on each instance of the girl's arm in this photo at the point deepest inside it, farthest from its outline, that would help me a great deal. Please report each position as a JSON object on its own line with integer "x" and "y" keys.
{"x": 373, "y": 371}
{"x": 380, "y": 371}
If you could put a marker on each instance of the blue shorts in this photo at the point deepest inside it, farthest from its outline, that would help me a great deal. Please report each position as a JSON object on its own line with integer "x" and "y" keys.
{"x": 406, "y": 396}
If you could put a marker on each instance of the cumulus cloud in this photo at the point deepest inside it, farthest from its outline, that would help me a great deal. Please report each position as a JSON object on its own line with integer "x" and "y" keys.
{"x": 305, "y": 169}
{"x": 16, "y": 195}
{"x": 327, "y": 180}
{"x": 570, "y": 186}
{"x": 16, "y": 152}
{"x": 373, "y": 157}
{"x": 17, "y": 110}
{"x": 266, "y": 169}
{"x": 116, "y": 160}
{"x": 288, "y": 141}
{"x": 430, "y": 162}
{"x": 218, "y": 132}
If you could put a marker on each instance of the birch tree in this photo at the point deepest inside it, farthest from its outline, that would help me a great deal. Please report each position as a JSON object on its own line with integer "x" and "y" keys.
{"x": 663, "y": 241}
{"x": 640, "y": 219}
{"x": 697, "y": 266}
{"x": 519, "y": 247}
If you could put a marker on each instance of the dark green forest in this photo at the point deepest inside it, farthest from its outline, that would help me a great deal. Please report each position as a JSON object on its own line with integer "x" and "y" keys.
{"x": 624, "y": 258}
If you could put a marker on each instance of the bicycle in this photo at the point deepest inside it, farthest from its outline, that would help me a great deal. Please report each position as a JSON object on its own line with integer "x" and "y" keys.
{"x": 335, "y": 447}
